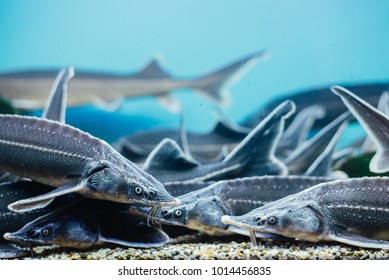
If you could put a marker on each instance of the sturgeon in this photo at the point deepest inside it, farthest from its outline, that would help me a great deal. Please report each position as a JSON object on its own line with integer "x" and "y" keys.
{"x": 27, "y": 89}
{"x": 202, "y": 209}
{"x": 71, "y": 160}
{"x": 350, "y": 211}
{"x": 87, "y": 223}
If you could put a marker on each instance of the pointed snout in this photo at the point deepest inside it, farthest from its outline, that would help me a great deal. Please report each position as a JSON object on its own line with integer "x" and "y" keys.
{"x": 10, "y": 236}
{"x": 227, "y": 220}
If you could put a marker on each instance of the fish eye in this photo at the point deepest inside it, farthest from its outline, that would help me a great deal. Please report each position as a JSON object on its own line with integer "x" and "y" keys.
{"x": 178, "y": 212}
{"x": 138, "y": 190}
{"x": 45, "y": 232}
{"x": 272, "y": 220}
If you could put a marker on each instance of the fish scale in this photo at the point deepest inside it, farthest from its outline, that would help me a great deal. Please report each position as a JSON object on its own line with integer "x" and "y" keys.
{"x": 343, "y": 206}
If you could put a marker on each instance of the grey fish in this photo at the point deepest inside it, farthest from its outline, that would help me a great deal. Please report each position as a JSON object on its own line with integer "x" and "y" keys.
{"x": 71, "y": 160}
{"x": 370, "y": 92}
{"x": 87, "y": 223}
{"x": 350, "y": 211}
{"x": 374, "y": 122}
{"x": 12, "y": 221}
{"x": 55, "y": 107}
{"x": 253, "y": 156}
{"x": 202, "y": 209}
{"x": 28, "y": 89}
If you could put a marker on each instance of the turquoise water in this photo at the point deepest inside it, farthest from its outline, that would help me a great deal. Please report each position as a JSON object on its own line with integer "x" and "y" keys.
{"x": 312, "y": 43}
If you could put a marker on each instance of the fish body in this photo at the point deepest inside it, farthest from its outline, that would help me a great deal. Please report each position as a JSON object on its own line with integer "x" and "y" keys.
{"x": 27, "y": 89}
{"x": 202, "y": 209}
{"x": 62, "y": 156}
{"x": 351, "y": 211}
{"x": 87, "y": 223}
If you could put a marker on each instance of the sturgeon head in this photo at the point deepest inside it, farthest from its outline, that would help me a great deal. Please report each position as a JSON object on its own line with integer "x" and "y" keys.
{"x": 288, "y": 217}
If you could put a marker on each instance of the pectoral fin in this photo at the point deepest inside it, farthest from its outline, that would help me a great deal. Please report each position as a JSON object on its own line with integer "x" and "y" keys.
{"x": 139, "y": 236}
{"x": 353, "y": 239}
{"x": 10, "y": 251}
{"x": 43, "y": 200}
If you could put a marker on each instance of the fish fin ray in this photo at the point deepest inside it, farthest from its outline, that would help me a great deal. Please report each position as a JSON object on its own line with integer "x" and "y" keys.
{"x": 56, "y": 104}
{"x": 215, "y": 85}
{"x": 257, "y": 149}
{"x": 343, "y": 236}
{"x": 43, "y": 200}
{"x": 169, "y": 155}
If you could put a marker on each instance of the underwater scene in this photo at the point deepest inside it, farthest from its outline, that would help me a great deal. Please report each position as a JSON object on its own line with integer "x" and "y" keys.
{"x": 194, "y": 130}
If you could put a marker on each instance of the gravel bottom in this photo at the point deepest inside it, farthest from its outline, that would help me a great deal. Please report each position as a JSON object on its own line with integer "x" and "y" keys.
{"x": 208, "y": 248}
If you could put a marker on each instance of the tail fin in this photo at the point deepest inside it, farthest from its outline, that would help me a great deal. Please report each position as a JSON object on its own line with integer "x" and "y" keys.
{"x": 374, "y": 122}
{"x": 256, "y": 152}
{"x": 215, "y": 85}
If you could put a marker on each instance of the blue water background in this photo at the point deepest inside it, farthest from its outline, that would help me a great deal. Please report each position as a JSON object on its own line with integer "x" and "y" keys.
{"x": 313, "y": 43}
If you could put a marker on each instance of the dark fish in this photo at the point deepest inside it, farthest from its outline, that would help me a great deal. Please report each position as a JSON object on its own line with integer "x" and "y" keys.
{"x": 12, "y": 221}
{"x": 350, "y": 211}
{"x": 87, "y": 223}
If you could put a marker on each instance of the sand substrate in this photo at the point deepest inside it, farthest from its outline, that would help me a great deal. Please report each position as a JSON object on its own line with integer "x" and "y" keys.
{"x": 198, "y": 247}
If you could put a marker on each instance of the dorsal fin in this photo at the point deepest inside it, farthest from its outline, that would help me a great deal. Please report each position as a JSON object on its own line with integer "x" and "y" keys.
{"x": 322, "y": 165}
{"x": 226, "y": 128}
{"x": 374, "y": 122}
{"x": 168, "y": 155}
{"x": 298, "y": 130}
{"x": 256, "y": 151}
{"x": 383, "y": 106}
{"x": 152, "y": 70}
{"x": 56, "y": 103}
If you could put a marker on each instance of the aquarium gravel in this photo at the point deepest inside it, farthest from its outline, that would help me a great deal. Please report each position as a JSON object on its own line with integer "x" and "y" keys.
{"x": 211, "y": 248}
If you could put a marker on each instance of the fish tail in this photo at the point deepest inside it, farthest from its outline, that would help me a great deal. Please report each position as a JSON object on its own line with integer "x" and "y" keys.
{"x": 215, "y": 85}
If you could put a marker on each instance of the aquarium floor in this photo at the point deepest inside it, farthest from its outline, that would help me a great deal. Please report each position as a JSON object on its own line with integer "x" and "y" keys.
{"x": 208, "y": 248}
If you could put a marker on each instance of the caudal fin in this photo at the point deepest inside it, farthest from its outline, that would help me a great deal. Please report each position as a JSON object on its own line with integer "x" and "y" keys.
{"x": 374, "y": 122}
{"x": 215, "y": 85}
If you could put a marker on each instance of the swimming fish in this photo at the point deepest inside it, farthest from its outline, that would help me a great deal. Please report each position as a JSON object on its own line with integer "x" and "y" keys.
{"x": 253, "y": 156}
{"x": 370, "y": 92}
{"x": 87, "y": 223}
{"x": 71, "y": 160}
{"x": 27, "y": 89}
{"x": 374, "y": 122}
{"x": 202, "y": 209}
{"x": 351, "y": 211}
